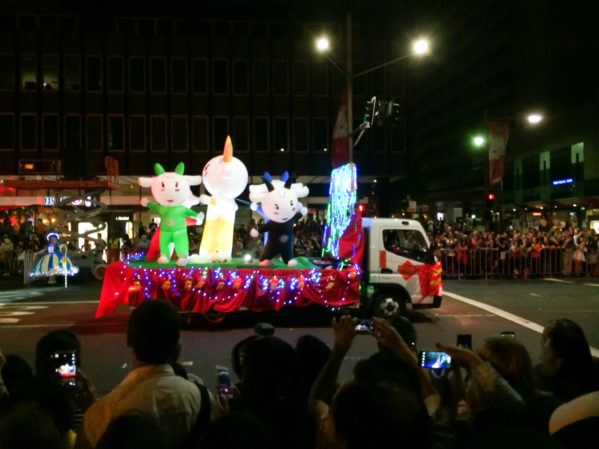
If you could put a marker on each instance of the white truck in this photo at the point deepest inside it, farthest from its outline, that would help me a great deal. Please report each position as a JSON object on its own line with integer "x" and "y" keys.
{"x": 399, "y": 268}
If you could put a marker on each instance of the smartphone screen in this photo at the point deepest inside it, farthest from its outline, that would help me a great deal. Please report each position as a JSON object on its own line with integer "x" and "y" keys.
{"x": 434, "y": 359}
{"x": 508, "y": 334}
{"x": 223, "y": 381}
{"x": 464, "y": 341}
{"x": 364, "y": 326}
{"x": 65, "y": 363}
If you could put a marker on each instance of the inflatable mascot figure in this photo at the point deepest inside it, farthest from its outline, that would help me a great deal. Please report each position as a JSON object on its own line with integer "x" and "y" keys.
{"x": 225, "y": 177}
{"x": 171, "y": 191}
{"x": 279, "y": 201}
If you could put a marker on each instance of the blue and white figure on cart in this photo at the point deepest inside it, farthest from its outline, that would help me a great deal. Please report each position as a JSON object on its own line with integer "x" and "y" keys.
{"x": 55, "y": 261}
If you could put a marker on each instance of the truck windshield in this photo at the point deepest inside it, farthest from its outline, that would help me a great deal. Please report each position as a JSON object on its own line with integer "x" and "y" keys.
{"x": 406, "y": 243}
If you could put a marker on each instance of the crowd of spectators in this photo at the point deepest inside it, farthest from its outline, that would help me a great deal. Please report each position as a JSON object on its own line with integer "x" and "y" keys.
{"x": 22, "y": 242}
{"x": 290, "y": 396}
{"x": 539, "y": 250}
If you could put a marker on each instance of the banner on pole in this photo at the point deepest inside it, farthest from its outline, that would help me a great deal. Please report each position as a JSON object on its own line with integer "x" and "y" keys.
{"x": 340, "y": 150}
{"x": 498, "y": 135}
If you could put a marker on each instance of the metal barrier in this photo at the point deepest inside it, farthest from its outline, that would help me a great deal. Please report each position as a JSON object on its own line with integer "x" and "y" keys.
{"x": 485, "y": 263}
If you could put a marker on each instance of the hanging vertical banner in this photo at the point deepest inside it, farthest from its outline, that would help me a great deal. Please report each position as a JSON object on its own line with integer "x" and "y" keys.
{"x": 340, "y": 151}
{"x": 498, "y": 135}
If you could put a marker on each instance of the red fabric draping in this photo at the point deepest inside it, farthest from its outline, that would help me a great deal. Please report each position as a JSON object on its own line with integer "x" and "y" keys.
{"x": 226, "y": 290}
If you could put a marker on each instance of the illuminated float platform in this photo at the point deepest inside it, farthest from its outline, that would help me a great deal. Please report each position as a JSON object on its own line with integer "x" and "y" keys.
{"x": 227, "y": 287}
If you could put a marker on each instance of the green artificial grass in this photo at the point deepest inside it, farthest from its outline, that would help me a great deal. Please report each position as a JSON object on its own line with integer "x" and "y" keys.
{"x": 237, "y": 262}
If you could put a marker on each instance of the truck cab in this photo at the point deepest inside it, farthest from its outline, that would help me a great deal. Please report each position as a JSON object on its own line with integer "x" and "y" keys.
{"x": 399, "y": 267}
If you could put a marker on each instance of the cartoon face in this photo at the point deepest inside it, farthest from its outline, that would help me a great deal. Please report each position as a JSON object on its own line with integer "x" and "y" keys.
{"x": 170, "y": 188}
{"x": 226, "y": 179}
{"x": 280, "y": 205}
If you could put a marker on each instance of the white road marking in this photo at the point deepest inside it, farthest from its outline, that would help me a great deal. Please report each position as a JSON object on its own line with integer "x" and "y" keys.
{"x": 124, "y": 366}
{"x": 536, "y": 294}
{"x": 187, "y": 363}
{"x": 505, "y": 315}
{"x": 558, "y": 280}
{"x": 16, "y": 313}
{"x": 592, "y": 285}
{"x": 9, "y": 320}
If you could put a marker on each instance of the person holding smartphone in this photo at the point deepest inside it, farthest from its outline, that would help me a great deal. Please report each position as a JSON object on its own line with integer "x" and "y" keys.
{"x": 59, "y": 352}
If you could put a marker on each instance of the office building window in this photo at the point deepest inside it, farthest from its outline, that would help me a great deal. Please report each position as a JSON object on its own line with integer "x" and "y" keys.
{"x": 300, "y": 78}
{"x": 158, "y": 75}
{"x": 200, "y": 76}
{"x": 220, "y": 77}
{"x": 241, "y": 132}
{"x": 240, "y": 77}
{"x": 280, "y": 78}
{"x": 50, "y": 132}
{"x": 95, "y": 141}
{"x": 137, "y": 76}
{"x": 50, "y": 72}
{"x": 281, "y": 134}
{"x": 72, "y": 73}
{"x": 115, "y": 74}
{"x": 137, "y": 133}
{"x": 319, "y": 78}
{"x": 28, "y": 132}
{"x": 300, "y": 134}
{"x": 72, "y": 132}
{"x": 179, "y": 75}
{"x": 115, "y": 132}
{"x": 179, "y": 133}
{"x": 359, "y": 82}
{"x": 378, "y": 135}
{"x": 158, "y": 131}
{"x": 261, "y": 134}
{"x": 94, "y": 73}
{"x": 220, "y": 131}
{"x": 260, "y": 78}
{"x": 199, "y": 134}
{"x": 7, "y": 132}
{"x": 7, "y": 74}
{"x": 28, "y": 72}
{"x": 321, "y": 135}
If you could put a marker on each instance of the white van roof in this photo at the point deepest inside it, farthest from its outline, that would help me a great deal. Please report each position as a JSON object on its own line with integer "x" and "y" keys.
{"x": 405, "y": 222}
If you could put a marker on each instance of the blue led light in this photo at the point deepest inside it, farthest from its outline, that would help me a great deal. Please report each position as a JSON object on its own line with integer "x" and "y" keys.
{"x": 559, "y": 182}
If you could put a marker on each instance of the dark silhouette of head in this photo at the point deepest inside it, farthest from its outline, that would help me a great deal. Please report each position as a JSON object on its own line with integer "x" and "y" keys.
{"x": 153, "y": 331}
{"x": 312, "y": 354}
{"x": 134, "y": 429}
{"x": 28, "y": 426}
{"x": 16, "y": 370}
{"x": 57, "y": 340}
{"x": 238, "y": 430}
{"x": 566, "y": 359}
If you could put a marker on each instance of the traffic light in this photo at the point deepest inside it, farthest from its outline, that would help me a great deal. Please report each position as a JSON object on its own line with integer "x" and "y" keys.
{"x": 490, "y": 200}
{"x": 370, "y": 111}
{"x": 393, "y": 112}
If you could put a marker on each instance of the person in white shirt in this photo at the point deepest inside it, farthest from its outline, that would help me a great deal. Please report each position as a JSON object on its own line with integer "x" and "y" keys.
{"x": 151, "y": 386}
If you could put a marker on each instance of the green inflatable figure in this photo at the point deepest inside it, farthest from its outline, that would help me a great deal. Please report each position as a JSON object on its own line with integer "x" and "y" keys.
{"x": 173, "y": 201}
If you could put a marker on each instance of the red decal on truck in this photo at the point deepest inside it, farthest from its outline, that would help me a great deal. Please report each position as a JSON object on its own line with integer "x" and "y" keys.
{"x": 383, "y": 259}
{"x": 407, "y": 270}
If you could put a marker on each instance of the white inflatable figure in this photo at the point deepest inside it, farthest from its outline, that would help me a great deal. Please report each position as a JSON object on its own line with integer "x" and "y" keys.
{"x": 280, "y": 204}
{"x": 225, "y": 178}
{"x": 172, "y": 194}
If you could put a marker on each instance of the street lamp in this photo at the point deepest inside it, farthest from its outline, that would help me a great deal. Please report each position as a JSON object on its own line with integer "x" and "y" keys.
{"x": 420, "y": 47}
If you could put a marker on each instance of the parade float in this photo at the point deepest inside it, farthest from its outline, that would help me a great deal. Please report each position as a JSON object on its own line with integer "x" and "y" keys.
{"x": 356, "y": 267}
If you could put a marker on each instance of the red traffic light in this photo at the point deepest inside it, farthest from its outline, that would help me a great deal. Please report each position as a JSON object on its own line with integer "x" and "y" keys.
{"x": 491, "y": 197}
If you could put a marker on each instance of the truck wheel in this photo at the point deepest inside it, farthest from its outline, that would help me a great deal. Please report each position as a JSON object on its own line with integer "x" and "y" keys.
{"x": 388, "y": 306}
{"x": 212, "y": 319}
{"x": 99, "y": 271}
